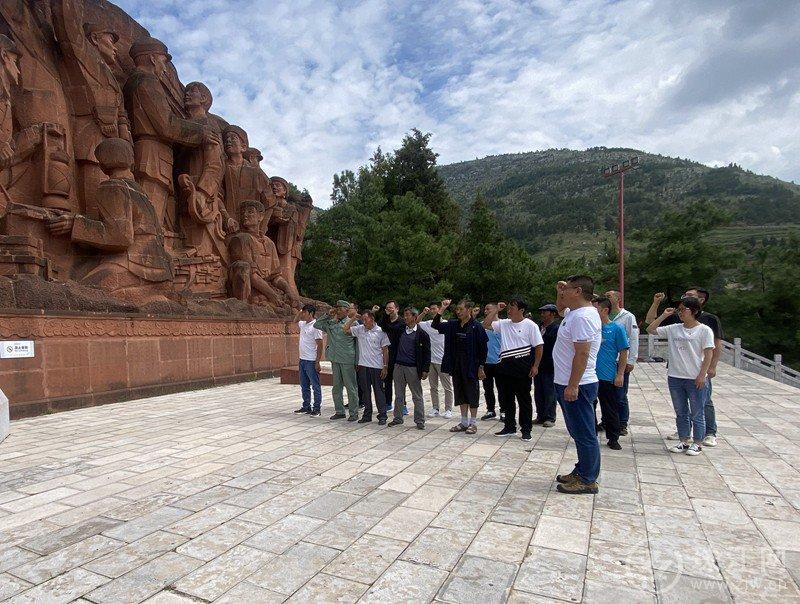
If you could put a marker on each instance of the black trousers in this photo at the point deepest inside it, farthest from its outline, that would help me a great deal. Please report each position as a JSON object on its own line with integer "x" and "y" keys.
{"x": 387, "y": 384}
{"x": 513, "y": 390}
{"x": 544, "y": 395}
{"x": 610, "y": 396}
{"x": 488, "y": 386}
{"x": 369, "y": 381}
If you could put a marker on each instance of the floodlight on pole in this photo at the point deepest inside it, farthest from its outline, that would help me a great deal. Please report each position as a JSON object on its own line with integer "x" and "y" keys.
{"x": 610, "y": 172}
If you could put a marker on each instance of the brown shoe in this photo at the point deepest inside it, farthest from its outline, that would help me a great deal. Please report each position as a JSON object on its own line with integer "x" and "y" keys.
{"x": 471, "y": 429}
{"x": 567, "y": 478}
{"x": 578, "y": 487}
{"x": 458, "y": 428}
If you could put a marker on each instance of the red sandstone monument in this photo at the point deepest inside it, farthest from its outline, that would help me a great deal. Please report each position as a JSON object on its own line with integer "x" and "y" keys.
{"x": 143, "y": 248}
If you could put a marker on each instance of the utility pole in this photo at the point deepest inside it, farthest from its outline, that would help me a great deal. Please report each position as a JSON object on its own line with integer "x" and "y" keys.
{"x": 610, "y": 172}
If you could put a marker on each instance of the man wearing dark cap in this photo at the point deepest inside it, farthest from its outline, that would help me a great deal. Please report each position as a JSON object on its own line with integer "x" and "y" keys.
{"x": 155, "y": 128}
{"x": 341, "y": 352}
{"x": 89, "y": 56}
{"x": 544, "y": 390}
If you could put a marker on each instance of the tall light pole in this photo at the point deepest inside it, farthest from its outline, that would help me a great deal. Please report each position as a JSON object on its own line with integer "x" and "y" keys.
{"x": 610, "y": 172}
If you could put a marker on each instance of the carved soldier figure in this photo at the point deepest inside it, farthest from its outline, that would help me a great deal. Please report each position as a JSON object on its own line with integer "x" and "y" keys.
{"x": 137, "y": 267}
{"x": 242, "y": 180}
{"x": 156, "y": 128}
{"x": 254, "y": 264}
{"x": 9, "y": 75}
{"x": 89, "y": 55}
{"x": 201, "y": 185}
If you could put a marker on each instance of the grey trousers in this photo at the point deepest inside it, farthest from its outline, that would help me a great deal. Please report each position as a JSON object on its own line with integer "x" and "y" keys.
{"x": 369, "y": 378}
{"x": 407, "y": 376}
{"x": 434, "y": 377}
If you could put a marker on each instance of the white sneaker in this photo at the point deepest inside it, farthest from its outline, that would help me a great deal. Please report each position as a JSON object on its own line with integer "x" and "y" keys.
{"x": 679, "y": 448}
{"x": 710, "y": 441}
{"x": 433, "y": 413}
{"x": 674, "y": 436}
{"x": 694, "y": 449}
{"x": 447, "y": 414}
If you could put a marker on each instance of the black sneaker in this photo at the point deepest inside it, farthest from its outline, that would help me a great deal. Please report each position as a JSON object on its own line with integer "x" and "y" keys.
{"x": 314, "y": 413}
{"x": 623, "y": 430}
{"x": 338, "y": 416}
{"x": 505, "y": 432}
{"x": 538, "y": 422}
{"x": 365, "y": 420}
{"x": 502, "y": 417}
{"x": 396, "y": 422}
{"x": 489, "y": 415}
{"x": 420, "y": 426}
{"x": 614, "y": 444}
{"x": 381, "y": 422}
{"x": 526, "y": 436}
{"x": 302, "y": 410}
{"x": 548, "y": 424}
{"x": 352, "y": 418}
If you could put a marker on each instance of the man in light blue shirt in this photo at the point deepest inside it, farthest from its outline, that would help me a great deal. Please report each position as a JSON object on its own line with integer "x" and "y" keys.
{"x": 612, "y": 358}
{"x": 490, "y": 369}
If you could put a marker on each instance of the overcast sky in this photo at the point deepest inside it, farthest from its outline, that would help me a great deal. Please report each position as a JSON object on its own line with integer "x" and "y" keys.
{"x": 319, "y": 85}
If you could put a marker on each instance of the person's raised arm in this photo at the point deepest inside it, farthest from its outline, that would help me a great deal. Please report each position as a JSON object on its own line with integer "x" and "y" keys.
{"x": 560, "y": 305}
{"x": 352, "y": 317}
{"x": 491, "y": 316}
{"x": 652, "y": 312}
{"x": 579, "y": 362}
{"x": 425, "y": 312}
{"x": 652, "y": 329}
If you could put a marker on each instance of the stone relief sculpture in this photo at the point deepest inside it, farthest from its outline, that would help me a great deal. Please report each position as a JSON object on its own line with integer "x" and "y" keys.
{"x": 117, "y": 177}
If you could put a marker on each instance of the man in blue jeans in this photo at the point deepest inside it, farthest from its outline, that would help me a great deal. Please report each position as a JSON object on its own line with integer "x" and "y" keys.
{"x": 574, "y": 360}
{"x": 310, "y": 355}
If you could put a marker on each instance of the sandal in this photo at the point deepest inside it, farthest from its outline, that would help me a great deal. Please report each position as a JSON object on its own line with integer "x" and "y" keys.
{"x": 459, "y": 428}
{"x": 471, "y": 430}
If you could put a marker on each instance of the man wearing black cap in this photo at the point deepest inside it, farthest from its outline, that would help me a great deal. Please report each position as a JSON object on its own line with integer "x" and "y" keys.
{"x": 544, "y": 390}
{"x": 155, "y": 127}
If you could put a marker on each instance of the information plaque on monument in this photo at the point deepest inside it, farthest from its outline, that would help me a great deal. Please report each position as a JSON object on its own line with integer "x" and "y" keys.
{"x": 142, "y": 244}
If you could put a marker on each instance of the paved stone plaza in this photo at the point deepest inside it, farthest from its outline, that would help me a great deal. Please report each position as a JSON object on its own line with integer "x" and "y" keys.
{"x": 224, "y": 495}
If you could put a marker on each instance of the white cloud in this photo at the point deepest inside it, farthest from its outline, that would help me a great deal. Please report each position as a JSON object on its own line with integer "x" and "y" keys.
{"x": 319, "y": 85}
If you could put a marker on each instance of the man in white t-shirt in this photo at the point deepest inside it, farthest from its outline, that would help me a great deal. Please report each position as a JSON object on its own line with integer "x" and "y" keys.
{"x": 521, "y": 347}
{"x": 372, "y": 364}
{"x": 574, "y": 360}
{"x": 310, "y": 355}
{"x": 436, "y": 374}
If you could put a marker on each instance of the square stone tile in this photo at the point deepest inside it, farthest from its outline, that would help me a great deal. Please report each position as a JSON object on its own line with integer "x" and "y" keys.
{"x": 682, "y": 589}
{"x": 329, "y": 505}
{"x": 478, "y": 580}
{"x": 327, "y": 588}
{"x": 287, "y": 572}
{"x": 440, "y": 548}
{"x": 367, "y": 559}
{"x": 395, "y": 586}
{"x": 502, "y": 542}
{"x": 342, "y": 531}
{"x": 212, "y": 580}
{"x": 61, "y": 589}
{"x": 403, "y": 524}
{"x": 553, "y": 574}
{"x": 134, "y": 555}
{"x": 280, "y": 536}
{"x": 562, "y": 534}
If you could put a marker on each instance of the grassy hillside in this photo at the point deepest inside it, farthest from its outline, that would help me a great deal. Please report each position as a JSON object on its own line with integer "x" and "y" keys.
{"x": 540, "y": 196}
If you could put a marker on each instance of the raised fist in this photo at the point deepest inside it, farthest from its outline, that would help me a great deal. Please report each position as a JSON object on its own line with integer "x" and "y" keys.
{"x": 376, "y": 308}
{"x": 669, "y": 312}
{"x": 659, "y": 297}
{"x": 426, "y": 310}
{"x": 501, "y": 306}
{"x": 446, "y": 303}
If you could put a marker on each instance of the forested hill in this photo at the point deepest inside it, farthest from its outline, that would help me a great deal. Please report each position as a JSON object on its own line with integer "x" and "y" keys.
{"x": 547, "y": 193}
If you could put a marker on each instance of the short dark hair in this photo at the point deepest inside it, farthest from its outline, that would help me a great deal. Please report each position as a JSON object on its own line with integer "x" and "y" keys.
{"x": 519, "y": 303}
{"x": 434, "y": 304}
{"x": 604, "y": 302}
{"x": 410, "y": 309}
{"x": 703, "y": 292}
{"x": 392, "y": 302}
{"x": 585, "y": 282}
{"x": 692, "y": 304}
{"x": 368, "y": 313}
{"x": 468, "y": 304}
{"x": 309, "y": 308}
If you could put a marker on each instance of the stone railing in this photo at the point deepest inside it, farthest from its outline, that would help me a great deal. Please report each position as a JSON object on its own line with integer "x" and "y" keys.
{"x": 733, "y": 354}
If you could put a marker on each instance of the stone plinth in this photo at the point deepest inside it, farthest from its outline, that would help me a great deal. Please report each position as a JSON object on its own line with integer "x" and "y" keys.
{"x": 291, "y": 375}
{"x": 83, "y": 361}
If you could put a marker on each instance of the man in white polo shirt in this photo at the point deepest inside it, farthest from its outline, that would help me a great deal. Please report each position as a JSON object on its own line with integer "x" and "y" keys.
{"x": 373, "y": 362}
{"x": 520, "y": 354}
{"x": 436, "y": 374}
{"x": 574, "y": 361}
{"x": 310, "y": 356}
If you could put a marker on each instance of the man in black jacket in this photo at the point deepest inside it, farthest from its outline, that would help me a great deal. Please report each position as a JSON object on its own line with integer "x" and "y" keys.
{"x": 412, "y": 361}
{"x": 544, "y": 390}
{"x": 392, "y": 325}
{"x": 465, "y": 348}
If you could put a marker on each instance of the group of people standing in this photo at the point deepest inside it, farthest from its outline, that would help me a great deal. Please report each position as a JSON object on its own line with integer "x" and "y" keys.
{"x": 582, "y": 353}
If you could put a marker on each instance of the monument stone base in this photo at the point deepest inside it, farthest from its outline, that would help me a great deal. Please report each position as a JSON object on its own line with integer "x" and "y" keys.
{"x": 82, "y": 361}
